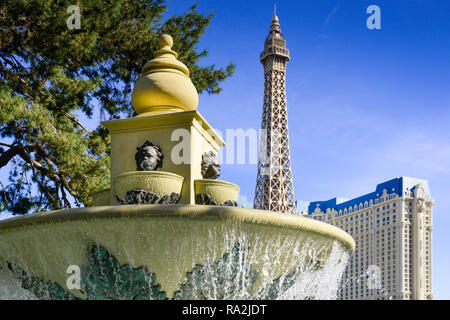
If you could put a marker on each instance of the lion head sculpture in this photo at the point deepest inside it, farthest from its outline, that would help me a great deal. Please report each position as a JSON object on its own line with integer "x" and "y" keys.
{"x": 148, "y": 157}
{"x": 210, "y": 166}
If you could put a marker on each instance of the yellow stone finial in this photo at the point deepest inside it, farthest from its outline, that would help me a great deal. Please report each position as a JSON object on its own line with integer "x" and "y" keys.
{"x": 165, "y": 42}
{"x": 164, "y": 86}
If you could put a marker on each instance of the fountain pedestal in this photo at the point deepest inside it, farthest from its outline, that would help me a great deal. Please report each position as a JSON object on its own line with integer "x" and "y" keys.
{"x": 183, "y": 136}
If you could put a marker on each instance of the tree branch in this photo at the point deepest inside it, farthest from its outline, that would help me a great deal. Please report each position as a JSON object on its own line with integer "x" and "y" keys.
{"x": 57, "y": 177}
{"x": 21, "y": 151}
{"x": 74, "y": 120}
{"x": 9, "y": 154}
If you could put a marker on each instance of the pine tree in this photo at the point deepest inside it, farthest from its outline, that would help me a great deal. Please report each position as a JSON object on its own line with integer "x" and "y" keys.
{"x": 52, "y": 77}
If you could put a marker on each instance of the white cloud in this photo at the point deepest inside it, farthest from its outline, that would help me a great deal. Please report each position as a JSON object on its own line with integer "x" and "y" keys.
{"x": 328, "y": 18}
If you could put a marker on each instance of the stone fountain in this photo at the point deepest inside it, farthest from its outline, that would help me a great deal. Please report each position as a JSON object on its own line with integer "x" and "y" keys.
{"x": 168, "y": 228}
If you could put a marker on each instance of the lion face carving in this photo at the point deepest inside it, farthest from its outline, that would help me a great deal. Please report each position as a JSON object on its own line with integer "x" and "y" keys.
{"x": 148, "y": 157}
{"x": 210, "y": 166}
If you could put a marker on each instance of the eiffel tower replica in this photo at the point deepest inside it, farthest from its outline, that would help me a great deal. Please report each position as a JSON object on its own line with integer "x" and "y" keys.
{"x": 274, "y": 188}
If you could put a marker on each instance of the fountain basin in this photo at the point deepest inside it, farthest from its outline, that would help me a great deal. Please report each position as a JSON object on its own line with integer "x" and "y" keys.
{"x": 219, "y": 191}
{"x": 160, "y": 182}
{"x": 101, "y": 198}
{"x": 172, "y": 251}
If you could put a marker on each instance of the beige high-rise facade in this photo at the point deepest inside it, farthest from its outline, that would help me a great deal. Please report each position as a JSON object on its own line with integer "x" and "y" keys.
{"x": 392, "y": 229}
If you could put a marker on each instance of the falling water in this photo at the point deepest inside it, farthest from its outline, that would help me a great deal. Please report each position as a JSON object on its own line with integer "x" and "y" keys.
{"x": 132, "y": 258}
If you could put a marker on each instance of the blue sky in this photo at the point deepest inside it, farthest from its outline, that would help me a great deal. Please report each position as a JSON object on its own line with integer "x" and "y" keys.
{"x": 364, "y": 106}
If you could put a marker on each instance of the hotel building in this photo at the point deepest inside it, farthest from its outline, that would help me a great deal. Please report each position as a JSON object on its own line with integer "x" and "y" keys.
{"x": 392, "y": 229}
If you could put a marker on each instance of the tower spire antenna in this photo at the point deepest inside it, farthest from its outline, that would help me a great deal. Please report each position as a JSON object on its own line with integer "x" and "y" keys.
{"x": 274, "y": 17}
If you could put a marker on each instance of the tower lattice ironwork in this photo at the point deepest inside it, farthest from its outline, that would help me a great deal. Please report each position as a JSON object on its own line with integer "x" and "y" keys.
{"x": 274, "y": 188}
